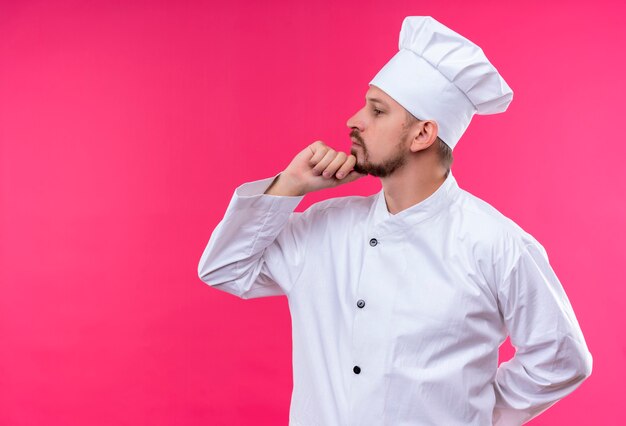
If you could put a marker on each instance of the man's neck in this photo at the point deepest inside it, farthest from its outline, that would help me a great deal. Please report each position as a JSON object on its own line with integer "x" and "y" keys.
{"x": 409, "y": 186}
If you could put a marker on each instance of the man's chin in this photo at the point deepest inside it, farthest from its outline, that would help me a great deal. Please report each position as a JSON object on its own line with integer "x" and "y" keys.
{"x": 357, "y": 168}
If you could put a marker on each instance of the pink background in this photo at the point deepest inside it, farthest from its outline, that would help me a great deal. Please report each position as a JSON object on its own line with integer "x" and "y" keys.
{"x": 125, "y": 128}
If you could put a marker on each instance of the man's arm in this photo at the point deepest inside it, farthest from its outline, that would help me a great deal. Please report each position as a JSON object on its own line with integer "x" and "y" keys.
{"x": 256, "y": 227}
{"x": 258, "y": 248}
{"x": 551, "y": 358}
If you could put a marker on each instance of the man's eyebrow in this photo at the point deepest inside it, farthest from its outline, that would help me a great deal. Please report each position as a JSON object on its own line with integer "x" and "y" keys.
{"x": 376, "y": 100}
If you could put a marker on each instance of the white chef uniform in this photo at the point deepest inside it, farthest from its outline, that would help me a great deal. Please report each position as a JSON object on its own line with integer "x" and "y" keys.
{"x": 397, "y": 319}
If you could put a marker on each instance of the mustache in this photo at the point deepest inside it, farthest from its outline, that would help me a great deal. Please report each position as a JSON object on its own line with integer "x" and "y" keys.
{"x": 355, "y": 134}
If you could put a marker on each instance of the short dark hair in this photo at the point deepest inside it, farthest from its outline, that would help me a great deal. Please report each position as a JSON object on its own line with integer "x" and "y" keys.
{"x": 443, "y": 150}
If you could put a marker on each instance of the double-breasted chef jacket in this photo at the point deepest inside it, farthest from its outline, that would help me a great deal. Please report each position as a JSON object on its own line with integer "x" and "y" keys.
{"x": 397, "y": 319}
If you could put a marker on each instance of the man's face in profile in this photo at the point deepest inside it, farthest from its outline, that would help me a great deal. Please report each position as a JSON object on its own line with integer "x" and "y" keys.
{"x": 379, "y": 134}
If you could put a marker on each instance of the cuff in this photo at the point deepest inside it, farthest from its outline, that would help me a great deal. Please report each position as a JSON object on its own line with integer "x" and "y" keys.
{"x": 251, "y": 194}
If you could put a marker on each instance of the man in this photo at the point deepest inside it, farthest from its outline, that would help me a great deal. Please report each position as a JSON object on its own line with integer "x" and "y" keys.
{"x": 400, "y": 300}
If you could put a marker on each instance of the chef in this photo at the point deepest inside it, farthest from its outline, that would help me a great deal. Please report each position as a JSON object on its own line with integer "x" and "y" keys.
{"x": 400, "y": 300}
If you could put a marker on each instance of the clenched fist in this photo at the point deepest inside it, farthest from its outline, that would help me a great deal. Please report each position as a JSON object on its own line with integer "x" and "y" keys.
{"x": 316, "y": 167}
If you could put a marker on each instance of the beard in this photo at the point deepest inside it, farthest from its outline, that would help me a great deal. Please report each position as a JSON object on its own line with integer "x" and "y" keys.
{"x": 383, "y": 169}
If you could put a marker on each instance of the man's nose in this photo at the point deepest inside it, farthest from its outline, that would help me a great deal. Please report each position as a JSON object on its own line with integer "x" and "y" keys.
{"x": 354, "y": 121}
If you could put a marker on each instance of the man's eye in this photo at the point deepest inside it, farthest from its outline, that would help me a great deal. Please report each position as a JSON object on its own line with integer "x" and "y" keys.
{"x": 377, "y": 111}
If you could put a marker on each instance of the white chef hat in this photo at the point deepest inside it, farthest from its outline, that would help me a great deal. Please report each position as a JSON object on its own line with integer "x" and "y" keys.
{"x": 440, "y": 75}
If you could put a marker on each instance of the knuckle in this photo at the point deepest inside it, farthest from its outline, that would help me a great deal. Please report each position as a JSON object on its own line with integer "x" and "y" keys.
{"x": 321, "y": 153}
{"x": 316, "y": 146}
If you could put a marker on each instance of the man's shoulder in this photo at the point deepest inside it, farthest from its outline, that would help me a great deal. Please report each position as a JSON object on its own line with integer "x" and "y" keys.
{"x": 489, "y": 223}
{"x": 493, "y": 235}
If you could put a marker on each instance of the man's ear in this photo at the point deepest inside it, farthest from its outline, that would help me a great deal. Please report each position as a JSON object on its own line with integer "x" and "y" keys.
{"x": 424, "y": 135}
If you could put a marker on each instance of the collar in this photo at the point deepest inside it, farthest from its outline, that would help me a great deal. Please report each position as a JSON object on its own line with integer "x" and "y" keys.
{"x": 430, "y": 206}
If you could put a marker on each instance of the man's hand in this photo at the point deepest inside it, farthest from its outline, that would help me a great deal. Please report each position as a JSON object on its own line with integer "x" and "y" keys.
{"x": 316, "y": 167}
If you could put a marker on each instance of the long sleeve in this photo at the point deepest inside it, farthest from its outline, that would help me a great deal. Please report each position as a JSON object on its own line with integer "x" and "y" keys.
{"x": 551, "y": 358}
{"x": 257, "y": 249}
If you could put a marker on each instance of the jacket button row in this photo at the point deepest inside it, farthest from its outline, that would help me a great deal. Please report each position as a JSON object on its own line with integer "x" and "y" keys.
{"x": 360, "y": 303}
{"x": 373, "y": 242}
{"x": 356, "y": 369}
